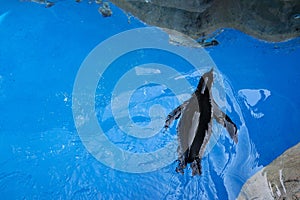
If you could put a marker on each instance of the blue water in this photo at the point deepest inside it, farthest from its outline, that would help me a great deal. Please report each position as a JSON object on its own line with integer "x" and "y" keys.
{"x": 42, "y": 155}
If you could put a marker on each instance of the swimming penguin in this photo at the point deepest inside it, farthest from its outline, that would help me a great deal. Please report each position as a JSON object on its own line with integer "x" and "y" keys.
{"x": 195, "y": 125}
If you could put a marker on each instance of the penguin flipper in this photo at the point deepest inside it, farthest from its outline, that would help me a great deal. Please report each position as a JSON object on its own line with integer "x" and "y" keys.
{"x": 225, "y": 121}
{"x": 175, "y": 114}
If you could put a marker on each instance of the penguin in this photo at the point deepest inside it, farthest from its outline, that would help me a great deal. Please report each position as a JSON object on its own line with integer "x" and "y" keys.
{"x": 195, "y": 124}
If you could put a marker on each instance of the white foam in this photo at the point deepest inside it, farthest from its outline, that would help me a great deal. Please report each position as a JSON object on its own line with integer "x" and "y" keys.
{"x": 146, "y": 71}
{"x": 252, "y": 97}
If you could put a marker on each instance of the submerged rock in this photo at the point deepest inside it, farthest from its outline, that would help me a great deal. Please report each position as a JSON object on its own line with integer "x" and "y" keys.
{"x": 47, "y": 4}
{"x": 105, "y": 10}
{"x": 273, "y": 20}
{"x": 278, "y": 180}
{"x": 180, "y": 39}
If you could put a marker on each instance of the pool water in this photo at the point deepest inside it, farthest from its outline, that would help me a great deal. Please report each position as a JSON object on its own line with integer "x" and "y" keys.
{"x": 42, "y": 155}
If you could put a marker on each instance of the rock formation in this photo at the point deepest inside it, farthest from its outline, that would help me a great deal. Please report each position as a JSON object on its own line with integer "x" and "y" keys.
{"x": 272, "y": 20}
{"x": 278, "y": 180}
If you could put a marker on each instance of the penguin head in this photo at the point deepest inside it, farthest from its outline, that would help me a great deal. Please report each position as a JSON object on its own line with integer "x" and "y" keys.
{"x": 206, "y": 81}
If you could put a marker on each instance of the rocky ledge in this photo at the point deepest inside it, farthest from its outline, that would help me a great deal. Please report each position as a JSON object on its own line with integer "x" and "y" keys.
{"x": 278, "y": 180}
{"x": 271, "y": 20}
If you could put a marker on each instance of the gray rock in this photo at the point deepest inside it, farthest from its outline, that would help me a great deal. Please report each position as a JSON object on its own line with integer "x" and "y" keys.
{"x": 272, "y": 20}
{"x": 180, "y": 39}
{"x": 105, "y": 10}
{"x": 47, "y": 4}
{"x": 278, "y": 180}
